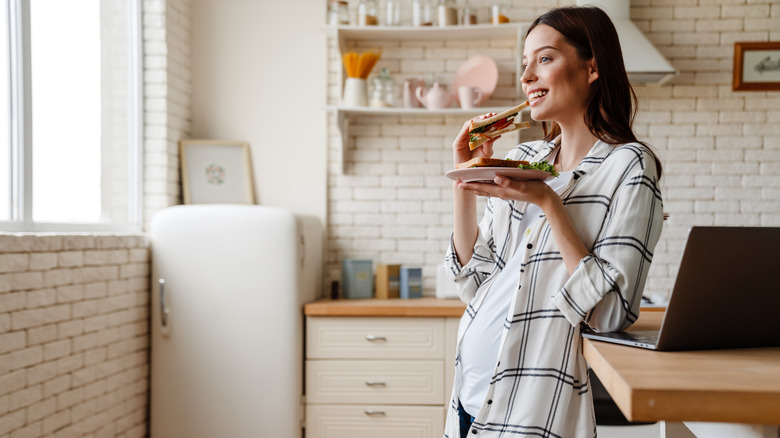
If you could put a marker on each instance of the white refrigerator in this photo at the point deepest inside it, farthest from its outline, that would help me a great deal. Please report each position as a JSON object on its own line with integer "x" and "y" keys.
{"x": 228, "y": 286}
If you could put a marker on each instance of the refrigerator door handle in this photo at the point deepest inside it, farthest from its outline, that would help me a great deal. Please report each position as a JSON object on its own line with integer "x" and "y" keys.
{"x": 164, "y": 312}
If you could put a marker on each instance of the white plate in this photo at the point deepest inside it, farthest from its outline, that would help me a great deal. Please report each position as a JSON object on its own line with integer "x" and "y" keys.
{"x": 486, "y": 174}
{"x": 479, "y": 71}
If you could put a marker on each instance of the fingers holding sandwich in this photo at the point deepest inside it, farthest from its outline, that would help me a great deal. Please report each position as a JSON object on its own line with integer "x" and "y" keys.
{"x": 462, "y": 151}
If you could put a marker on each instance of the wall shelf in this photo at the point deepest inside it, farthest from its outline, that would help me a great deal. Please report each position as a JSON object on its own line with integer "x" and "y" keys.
{"x": 478, "y": 31}
{"x": 343, "y": 34}
{"x": 401, "y": 111}
{"x": 344, "y": 113}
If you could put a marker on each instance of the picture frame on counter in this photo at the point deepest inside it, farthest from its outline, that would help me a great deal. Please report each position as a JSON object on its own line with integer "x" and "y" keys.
{"x": 216, "y": 172}
{"x": 756, "y": 66}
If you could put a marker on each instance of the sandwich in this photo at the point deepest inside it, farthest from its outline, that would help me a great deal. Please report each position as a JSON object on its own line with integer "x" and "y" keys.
{"x": 544, "y": 166}
{"x": 487, "y": 128}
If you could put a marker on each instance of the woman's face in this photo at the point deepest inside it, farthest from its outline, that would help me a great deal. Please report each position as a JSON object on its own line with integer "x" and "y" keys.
{"x": 555, "y": 79}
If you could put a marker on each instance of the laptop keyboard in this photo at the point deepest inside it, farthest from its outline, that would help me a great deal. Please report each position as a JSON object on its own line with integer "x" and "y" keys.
{"x": 649, "y": 337}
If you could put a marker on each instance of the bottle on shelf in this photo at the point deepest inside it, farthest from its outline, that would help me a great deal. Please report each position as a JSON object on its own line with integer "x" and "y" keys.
{"x": 498, "y": 14}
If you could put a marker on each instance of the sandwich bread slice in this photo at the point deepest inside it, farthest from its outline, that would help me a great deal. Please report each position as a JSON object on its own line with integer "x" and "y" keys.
{"x": 490, "y": 162}
{"x": 544, "y": 166}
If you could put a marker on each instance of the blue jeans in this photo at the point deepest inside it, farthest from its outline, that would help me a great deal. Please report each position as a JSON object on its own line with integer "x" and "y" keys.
{"x": 466, "y": 421}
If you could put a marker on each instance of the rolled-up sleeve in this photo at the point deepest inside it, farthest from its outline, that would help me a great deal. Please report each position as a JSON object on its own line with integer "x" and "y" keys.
{"x": 470, "y": 276}
{"x": 605, "y": 289}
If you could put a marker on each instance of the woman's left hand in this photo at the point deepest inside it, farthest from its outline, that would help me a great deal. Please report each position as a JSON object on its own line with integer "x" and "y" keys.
{"x": 535, "y": 192}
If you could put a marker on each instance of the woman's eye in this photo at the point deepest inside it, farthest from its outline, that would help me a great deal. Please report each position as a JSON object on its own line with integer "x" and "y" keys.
{"x": 543, "y": 59}
{"x": 523, "y": 67}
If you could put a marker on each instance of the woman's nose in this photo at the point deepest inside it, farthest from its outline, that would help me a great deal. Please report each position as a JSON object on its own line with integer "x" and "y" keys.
{"x": 528, "y": 74}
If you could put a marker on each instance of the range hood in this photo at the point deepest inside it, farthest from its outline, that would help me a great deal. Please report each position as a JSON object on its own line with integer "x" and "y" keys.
{"x": 644, "y": 63}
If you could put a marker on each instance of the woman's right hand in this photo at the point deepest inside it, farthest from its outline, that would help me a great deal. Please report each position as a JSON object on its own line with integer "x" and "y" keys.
{"x": 460, "y": 147}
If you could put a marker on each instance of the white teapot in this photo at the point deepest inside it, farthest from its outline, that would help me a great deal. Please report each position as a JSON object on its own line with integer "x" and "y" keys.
{"x": 436, "y": 97}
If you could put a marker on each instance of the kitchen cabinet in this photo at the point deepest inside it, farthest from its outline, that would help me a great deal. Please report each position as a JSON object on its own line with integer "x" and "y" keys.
{"x": 378, "y": 376}
{"x": 347, "y": 35}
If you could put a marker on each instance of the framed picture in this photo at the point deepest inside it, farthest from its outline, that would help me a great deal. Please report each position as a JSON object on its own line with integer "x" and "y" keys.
{"x": 756, "y": 66}
{"x": 216, "y": 172}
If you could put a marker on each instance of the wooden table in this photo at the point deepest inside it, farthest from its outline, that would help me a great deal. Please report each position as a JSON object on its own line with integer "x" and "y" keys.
{"x": 727, "y": 386}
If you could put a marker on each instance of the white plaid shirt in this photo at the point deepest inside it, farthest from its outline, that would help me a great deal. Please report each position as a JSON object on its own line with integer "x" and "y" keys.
{"x": 540, "y": 384}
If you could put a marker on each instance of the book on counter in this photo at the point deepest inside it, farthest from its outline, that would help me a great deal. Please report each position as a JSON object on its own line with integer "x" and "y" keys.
{"x": 357, "y": 278}
{"x": 388, "y": 281}
{"x": 411, "y": 282}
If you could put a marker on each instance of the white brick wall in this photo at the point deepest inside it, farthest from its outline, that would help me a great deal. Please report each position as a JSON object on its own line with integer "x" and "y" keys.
{"x": 73, "y": 335}
{"x": 74, "y": 309}
{"x": 166, "y": 99}
{"x": 720, "y": 148}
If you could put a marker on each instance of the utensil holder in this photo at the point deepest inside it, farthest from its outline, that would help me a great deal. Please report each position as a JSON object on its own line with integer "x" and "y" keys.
{"x": 355, "y": 92}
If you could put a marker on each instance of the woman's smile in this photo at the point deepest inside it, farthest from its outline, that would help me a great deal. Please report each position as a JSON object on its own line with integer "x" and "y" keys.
{"x": 534, "y": 96}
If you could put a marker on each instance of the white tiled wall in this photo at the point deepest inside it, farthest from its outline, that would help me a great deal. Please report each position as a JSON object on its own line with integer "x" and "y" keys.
{"x": 720, "y": 149}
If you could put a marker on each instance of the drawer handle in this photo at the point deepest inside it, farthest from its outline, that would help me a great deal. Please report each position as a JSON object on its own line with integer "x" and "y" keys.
{"x": 374, "y": 413}
{"x": 372, "y": 338}
{"x": 375, "y": 383}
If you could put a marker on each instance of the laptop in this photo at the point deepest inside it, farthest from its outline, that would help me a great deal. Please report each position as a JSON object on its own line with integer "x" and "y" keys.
{"x": 726, "y": 294}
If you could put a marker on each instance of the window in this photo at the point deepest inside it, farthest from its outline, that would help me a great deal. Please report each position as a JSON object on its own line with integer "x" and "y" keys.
{"x": 70, "y": 142}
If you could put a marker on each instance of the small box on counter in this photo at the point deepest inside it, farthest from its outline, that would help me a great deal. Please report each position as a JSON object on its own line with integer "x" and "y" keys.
{"x": 411, "y": 282}
{"x": 357, "y": 279}
{"x": 388, "y": 281}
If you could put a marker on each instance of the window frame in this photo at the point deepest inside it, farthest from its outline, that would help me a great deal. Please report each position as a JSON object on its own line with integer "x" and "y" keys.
{"x": 21, "y": 128}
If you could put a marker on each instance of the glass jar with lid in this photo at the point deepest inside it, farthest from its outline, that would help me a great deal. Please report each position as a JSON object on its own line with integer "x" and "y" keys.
{"x": 338, "y": 13}
{"x": 367, "y": 13}
{"x": 385, "y": 90}
{"x": 421, "y": 13}
{"x": 469, "y": 16}
{"x": 447, "y": 13}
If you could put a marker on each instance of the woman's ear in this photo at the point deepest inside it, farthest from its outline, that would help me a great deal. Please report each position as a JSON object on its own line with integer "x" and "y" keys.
{"x": 593, "y": 71}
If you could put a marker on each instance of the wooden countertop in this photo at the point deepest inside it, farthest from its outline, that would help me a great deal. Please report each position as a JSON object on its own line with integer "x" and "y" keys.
{"x": 419, "y": 307}
{"x": 730, "y": 385}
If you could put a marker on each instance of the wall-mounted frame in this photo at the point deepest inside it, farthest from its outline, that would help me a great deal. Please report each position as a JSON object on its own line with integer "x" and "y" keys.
{"x": 756, "y": 66}
{"x": 216, "y": 172}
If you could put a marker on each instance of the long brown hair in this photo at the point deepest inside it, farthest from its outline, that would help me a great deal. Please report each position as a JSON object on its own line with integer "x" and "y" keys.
{"x": 613, "y": 103}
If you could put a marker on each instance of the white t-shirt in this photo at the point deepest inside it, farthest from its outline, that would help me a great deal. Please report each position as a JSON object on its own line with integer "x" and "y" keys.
{"x": 479, "y": 347}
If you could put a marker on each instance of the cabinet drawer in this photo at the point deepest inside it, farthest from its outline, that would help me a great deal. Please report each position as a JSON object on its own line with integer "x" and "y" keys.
{"x": 375, "y": 421}
{"x": 419, "y": 382}
{"x": 374, "y": 338}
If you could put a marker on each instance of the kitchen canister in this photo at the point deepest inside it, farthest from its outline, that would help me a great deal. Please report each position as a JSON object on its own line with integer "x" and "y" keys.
{"x": 411, "y": 282}
{"x": 357, "y": 279}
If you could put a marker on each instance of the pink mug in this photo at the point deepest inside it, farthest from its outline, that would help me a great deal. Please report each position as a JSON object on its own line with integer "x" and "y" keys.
{"x": 409, "y": 87}
{"x": 469, "y": 96}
